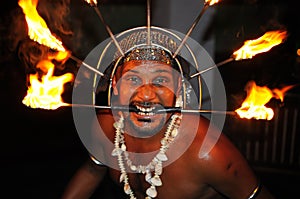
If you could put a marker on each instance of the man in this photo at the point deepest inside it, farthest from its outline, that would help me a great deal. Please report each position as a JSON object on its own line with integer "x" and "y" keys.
{"x": 156, "y": 153}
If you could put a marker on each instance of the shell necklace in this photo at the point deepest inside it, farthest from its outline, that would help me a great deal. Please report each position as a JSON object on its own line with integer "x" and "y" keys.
{"x": 155, "y": 164}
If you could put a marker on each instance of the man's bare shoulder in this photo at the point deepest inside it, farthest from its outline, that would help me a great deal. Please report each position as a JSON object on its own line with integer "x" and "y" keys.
{"x": 217, "y": 160}
{"x": 207, "y": 145}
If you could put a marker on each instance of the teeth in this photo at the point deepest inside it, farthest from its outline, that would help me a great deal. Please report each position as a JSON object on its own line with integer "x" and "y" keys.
{"x": 145, "y": 111}
{"x": 145, "y": 114}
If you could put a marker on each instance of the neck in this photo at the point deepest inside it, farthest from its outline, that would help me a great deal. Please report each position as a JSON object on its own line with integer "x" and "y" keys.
{"x": 143, "y": 145}
{"x": 146, "y": 131}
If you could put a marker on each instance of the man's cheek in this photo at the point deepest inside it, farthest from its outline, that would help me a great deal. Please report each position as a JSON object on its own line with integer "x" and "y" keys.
{"x": 125, "y": 96}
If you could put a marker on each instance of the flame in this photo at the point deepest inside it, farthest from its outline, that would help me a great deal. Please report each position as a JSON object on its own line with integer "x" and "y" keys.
{"x": 298, "y": 52}
{"x": 45, "y": 90}
{"x": 37, "y": 27}
{"x": 46, "y": 93}
{"x": 254, "y": 104}
{"x": 211, "y": 2}
{"x": 260, "y": 45}
{"x": 91, "y": 2}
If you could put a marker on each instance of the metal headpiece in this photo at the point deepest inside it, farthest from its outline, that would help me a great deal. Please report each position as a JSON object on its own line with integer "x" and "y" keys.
{"x": 148, "y": 53}
{"x": 156, "y": 44}
{"x": 140, "y": 45}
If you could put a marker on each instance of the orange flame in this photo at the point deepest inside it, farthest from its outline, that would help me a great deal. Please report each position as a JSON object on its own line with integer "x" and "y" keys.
{"x": 44, "y": 91}
{"x": 260, "y": 45}
{"x": 91, "y": 2}
{"x": 254, "y": 104}
{"x": 211, "y": 2}
{"x": 37, "y": 27}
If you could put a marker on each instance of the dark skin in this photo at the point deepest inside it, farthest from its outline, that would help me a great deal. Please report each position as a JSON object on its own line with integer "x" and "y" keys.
{"x": 222, "y": 171}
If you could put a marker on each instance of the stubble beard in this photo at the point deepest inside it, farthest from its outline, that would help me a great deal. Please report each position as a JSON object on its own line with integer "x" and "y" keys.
{"x": 147, "y": 128}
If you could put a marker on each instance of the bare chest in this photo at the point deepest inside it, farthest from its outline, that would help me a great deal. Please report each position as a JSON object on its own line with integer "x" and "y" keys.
{"x": 176, "y": 184}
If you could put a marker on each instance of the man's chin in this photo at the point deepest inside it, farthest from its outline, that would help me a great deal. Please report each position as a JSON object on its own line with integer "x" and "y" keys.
{"x": 147, "y": 126}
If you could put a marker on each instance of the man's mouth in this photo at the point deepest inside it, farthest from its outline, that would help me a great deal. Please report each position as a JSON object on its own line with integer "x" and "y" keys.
{"x": 145, "y": 111}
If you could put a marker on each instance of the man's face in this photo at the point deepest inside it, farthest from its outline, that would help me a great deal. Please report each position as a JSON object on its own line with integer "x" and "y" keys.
{"x": 147, "y": 85}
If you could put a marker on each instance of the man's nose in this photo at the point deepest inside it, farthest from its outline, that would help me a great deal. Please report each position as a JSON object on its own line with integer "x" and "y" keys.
{"x": 146, "y": 92}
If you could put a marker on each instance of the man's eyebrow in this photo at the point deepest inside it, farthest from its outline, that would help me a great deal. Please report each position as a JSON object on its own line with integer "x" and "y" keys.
{"x": 162, "y": 70}
{"x": 156, "y": 71}
{"x": 130, "y": 70}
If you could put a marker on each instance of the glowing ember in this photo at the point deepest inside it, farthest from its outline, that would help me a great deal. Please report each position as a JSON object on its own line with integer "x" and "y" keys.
{"x": 211, "y": 2}
{"x": 254, "y": 104}
{"x": 260, "y": 45}
{"x": 37, "y": 27}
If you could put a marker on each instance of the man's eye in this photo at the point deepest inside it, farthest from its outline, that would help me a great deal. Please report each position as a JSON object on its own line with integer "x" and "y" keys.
{"x": 133, "y": 80}
{"x": 160, "y": 81}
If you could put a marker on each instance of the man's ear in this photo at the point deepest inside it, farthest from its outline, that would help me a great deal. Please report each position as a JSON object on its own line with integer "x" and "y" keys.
{"x": 178, "y": 94}
{"x": 114, "y": 86}
{"x": 179, "y": 86}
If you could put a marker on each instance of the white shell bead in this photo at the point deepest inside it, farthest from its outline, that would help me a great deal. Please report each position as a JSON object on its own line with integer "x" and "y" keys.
{"x": 156, "y": 181}
{"x": 148, "y": 177}
{"x": 133, "y": 167}
{"x": 115, "y": 152}
{"x": 162, "y": 157}
{"x": 174, "y": 133}
{"x": 151, "y": 191}
{"x": 123, "y": 147}
{"x": 122, "y": 177}
{"x": 127, "y": 189}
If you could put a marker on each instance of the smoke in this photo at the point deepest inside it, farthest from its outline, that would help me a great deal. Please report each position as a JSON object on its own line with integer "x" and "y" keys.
{"x": 56, "y": 13}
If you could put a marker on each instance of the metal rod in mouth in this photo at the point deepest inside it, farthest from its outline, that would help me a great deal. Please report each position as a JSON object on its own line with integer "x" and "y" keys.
{"x": 158, "y": 110}
{"x": 212, "y": 67}
{"x": 86, "y": 65}
{"x": 179, "y": 109}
